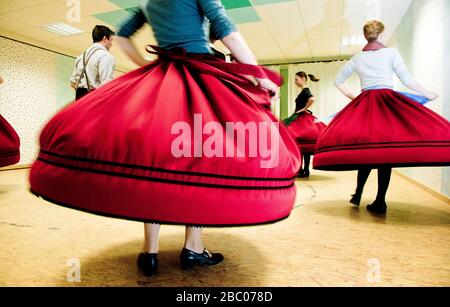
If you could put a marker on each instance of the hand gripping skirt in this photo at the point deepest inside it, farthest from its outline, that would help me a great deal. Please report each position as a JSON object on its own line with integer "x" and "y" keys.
{"x": 9, "y": 144}
{"x": 383, "y": 128}
{"x": 112, "y": 152}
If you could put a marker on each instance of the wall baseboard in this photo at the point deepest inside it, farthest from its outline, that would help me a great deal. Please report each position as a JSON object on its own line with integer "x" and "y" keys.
{"x": 15, "y": 167}
{"x": 424, "y": 187}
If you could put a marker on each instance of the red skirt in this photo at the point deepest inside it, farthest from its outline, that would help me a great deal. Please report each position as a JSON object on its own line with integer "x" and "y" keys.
{"x": 384, "y": 128}
{"x": 306, "y": 130}
{"x": 9, "y": 144}
{"x": 112, "y": 152}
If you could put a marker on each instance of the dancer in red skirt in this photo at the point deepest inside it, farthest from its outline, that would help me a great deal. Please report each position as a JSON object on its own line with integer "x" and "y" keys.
{"x": 154, "y": 145}
{"x": 381, "y": 128}
{"x": 9, "y": 142}
{"x": 303, "y": 126}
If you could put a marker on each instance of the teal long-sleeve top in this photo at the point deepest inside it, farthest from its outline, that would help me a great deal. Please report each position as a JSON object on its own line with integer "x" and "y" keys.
{"x": 180, "y": 23}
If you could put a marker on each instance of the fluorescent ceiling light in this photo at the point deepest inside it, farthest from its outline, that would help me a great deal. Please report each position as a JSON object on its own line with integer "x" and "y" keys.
{"x": 62, "y": 29}
{"x": 353, "y": 41}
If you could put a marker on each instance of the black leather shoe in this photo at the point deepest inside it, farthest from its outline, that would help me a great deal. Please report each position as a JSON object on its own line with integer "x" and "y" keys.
{"x": 189, "y": 258}
{"x": 303, "y": 174}
{"x": 356, "y": 199}
{"x": 148, "y": 263}
{"x": 377, "y": 207}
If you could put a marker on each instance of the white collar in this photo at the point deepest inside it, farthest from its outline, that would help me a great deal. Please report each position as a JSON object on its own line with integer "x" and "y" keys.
{"x": 98, "y": 45}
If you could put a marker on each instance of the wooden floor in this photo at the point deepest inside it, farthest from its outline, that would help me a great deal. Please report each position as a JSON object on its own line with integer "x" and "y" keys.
{"x": 325, "y": 242}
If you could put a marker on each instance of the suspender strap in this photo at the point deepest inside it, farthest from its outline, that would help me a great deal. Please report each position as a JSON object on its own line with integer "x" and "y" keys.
{"x": 84, "y": 72}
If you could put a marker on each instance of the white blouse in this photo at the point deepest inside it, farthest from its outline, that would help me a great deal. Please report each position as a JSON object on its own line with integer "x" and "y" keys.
{"x": 100, "y": 68}
{"x": 376, "y": 69}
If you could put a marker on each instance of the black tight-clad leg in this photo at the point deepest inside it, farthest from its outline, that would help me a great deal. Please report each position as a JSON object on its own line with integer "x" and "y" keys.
{"x": 304, "y": 173}
{"x": 384, "y": 178}
{"x": 193, "y": 252}
{"x": 363, "y": 175}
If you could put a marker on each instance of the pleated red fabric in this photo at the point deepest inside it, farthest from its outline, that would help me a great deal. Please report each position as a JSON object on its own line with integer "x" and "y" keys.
{"x": 306, "y": 130}
{"x": 111, "y": 152}
{"x": 384, "y": 128}
{"x": 9, "y": 144}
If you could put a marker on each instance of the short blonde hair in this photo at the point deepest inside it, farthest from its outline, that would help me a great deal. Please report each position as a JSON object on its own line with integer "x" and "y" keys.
{"x": 373, "y": 29}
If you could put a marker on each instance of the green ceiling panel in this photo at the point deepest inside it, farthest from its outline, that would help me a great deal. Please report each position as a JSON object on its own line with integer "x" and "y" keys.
{"x": 263, "y": 2}
{"x": 113, "y": 18}
{"x": 132, "y": 9}
{"x": 241, "y": 11}
{"x": 234, "y": 4}
{"x": 124, "y": 4}
{"x": 244, "y": 15}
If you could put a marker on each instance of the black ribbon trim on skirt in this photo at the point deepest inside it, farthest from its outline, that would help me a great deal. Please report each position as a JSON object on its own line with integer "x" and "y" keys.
{"x": 162, "y": 170}
{"x": 355, "y": 167}
{"x": 365, "y": 146}
{"x": 160, "y": 180}
{"x": 9, "y": 154}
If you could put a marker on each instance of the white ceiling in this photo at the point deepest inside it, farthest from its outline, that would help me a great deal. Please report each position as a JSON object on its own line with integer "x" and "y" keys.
{"x": 288, "y": 30}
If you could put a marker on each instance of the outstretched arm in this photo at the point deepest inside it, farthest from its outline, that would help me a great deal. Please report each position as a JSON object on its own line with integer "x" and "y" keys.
{"x": 344, "y": 89}
{"x": 403, "y": 74}
{"x": 131, "y": 51}
{"x": 416, "y": 87}
{"x": 239, "y": 48}
{"x": 126, "y": 30}
{"x": 343, "y": 75}
{"x": 226, "y": 31}
{"x": 242, "y": 53}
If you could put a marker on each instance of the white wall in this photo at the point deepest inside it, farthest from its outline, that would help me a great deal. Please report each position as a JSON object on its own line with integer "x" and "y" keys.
{"x": 36, "y": 87}
{"x": 27, "y": 98}
{"x": 420, "y": 39}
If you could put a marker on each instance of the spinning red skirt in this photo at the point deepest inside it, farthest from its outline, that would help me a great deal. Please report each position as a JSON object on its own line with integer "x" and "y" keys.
{"x": 306, "y": 129}
{"x": 9, "y": 144}
{"x": 384, "y": 128}
{"x": 112, "y": 152}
